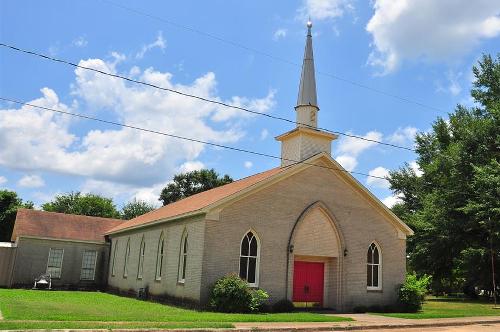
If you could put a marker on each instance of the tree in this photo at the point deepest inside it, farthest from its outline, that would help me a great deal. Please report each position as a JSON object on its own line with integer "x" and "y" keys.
{"x": 88, "y": 205}
{"x": 135, "y": 208}
{"x": 9, "y": 203}
{"x": 190, "y": 183}
{"x": 453, "y": 205}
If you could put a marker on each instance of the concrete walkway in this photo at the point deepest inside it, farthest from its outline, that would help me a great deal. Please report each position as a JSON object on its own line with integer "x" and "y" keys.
{"x": 369, "y": 322}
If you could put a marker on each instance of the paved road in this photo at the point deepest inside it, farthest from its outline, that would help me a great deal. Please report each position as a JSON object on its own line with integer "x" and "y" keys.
{"x": 466, "y": 328}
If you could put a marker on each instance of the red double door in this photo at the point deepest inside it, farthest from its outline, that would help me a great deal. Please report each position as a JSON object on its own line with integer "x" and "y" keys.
{"x": 308, "y": 282}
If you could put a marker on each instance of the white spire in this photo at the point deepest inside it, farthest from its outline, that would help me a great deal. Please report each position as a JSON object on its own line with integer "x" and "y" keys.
{"x": 307, "y": 88}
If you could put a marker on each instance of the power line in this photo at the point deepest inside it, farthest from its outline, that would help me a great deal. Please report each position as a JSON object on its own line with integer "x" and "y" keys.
{"x": 273, "y": 57}
{"x": 261, "y": 154}
{"x": 217, "y": 102}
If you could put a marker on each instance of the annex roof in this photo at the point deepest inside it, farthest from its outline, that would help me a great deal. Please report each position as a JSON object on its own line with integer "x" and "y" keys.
{"x": 45, "y": 224}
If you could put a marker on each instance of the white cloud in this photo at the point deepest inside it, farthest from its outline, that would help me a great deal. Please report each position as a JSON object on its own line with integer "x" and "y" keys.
{"x": 390, "y": 201}
{"x": 261, "y": 105}
{"x": 248, "y": 164}
{"x": 3, "y": 180}
{"x": 190, "y": 166}
{"x": 81, "y": 41}
{"x": 452, "y": 86}
{"x": 35, "y": 140}
{"x": 31, "y": 181}
{"x": 403, "y": 136}
{"x": 429, "y": 29}
{"x": 348, "y": 162}
{"x": 263, "y": 134}
{"x": 324, "y": 9}
{"x": 354, "y": 146}
{"x": 160, "y": 43}
{"x": 280, "y": 33}
{"x": 376, "y": 182}
{"x": 416, "y": 168}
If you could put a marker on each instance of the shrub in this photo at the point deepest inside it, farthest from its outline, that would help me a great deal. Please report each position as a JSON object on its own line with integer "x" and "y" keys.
{"x": 283, "y": 305}
{"x": 411, "y": 294}
{"x": 232, "y": 294}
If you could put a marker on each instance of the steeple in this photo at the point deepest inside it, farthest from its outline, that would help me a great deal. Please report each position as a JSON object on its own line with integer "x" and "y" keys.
{"x": 305, "y": 140}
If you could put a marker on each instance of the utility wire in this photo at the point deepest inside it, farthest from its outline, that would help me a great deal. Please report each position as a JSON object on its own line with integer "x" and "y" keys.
{"x": 213, "y": 101}
{"x": 273, "y": 57}
{"x": 181, "y": 137}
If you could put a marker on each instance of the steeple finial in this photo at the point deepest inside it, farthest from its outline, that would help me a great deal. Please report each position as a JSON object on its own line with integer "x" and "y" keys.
{"x": 307, "y": 88}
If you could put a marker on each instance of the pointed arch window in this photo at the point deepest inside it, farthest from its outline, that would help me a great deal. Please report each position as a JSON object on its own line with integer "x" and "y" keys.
{"x": 127, "y": 258}
{"x": 374, "y": 268}
{"x": 142, "y": 251}
{"x": 159, "y": 257}
{"x": 183, "y": 258}
{"x": 113, "y": 269}
{"x": 249, "y": 259}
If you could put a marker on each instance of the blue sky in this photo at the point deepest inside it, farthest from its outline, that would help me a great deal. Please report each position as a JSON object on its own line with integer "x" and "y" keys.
{"x": 420, "y": 50}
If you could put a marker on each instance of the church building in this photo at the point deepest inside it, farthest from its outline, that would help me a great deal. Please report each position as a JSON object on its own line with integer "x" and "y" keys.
{"x": 306, "y": 230}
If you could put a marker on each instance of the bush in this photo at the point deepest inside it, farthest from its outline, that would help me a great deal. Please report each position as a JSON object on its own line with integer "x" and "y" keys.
{"x": 232, "y": 294}
{"x": 283, "y": 305}
{"x": 411, "y": 294}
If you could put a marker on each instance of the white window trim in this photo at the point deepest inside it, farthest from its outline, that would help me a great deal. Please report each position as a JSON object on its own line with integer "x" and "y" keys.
{"x": 182, "y": 259}
{"x": 127, "y": 256}
{"x": 257, "y": 263}
{"x": 62, "y": 260}
{"x": 95, "y": 265}
{"x": 142, "y": 254}
{"x": 379, "y": 287}
{"x": 160, "y": 256}
{"x": 113, "y": 265}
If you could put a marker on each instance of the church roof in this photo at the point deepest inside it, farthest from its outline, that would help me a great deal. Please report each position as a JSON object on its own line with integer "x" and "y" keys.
{"x": 43, "y": 224}
{"x": 196, "y": 202}
{"x": 307, "y": 88}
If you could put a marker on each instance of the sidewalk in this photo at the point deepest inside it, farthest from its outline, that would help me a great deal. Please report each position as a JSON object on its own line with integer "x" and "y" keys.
{"x": 367, "y": 321}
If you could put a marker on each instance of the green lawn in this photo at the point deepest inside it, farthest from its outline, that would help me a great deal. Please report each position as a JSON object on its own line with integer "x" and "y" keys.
{"x": 61, "y": 309}
{"x": 449, "y": 307}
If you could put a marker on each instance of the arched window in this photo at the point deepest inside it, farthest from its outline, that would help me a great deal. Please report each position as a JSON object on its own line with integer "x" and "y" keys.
{"x": 159, "y": 257}
{"x": 113, "y": 269}
{"x": 142, "y": 251}
{"x": 249, "y": 259}
{"x": 374, "y": 268}
{"x": 127, "y": 257}
{"x": 183, "y": 258}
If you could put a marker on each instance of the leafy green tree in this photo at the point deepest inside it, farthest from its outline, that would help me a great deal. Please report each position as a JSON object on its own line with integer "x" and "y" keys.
{"x": 9, "y": 203}
{"x": 83, "y": 204}
{"x": 190, "y": 183}
{"x": 135, "y": 208}
{"x": 453, "y": 206}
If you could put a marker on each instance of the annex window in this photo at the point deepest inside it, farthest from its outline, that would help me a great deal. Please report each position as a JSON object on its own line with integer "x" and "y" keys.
{"x": 54, "y": 263}
{"x": 374, "y": 268}
{"x": 249, "y": 259}
{"x": 89, "y": 260}
{"x": 142, "y": 250}
{"x": 113, "y": 264}
{"x": 183, "y": 258}
{"x": 159, "y": 257}
{"x": 127, "y": 257}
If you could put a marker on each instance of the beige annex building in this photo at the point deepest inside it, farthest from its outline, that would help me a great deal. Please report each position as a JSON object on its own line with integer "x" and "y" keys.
{"x": 306, "y": 231}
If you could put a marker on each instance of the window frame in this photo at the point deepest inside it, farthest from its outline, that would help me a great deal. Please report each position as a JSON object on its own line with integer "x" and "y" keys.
{"x": 160, "y": 256}
{"x": 94, "y": 267}
{"x": 127, "y": 258}
{"x": 183, "y": 253}
{"x": 113, "y": 264}
{"x": 60, "y": 267}
{"x": 142, "y": 254}
{"x": 257, "y": 261}
{"x": 379, "y": 269}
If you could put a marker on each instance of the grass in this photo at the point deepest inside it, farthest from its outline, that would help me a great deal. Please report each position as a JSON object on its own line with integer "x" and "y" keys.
{"x": 439, "y": 307}
{"x": 25, "y": 309}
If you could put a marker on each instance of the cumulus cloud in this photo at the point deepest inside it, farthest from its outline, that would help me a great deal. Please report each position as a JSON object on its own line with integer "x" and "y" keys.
{"x": 376, "y": 182}
{"x": 390, "y": 201}
{"x": 348, "y": 162}
{"x": 452, "y": 84}
{"x": 80, "y": 41}
{"x": 280, "y": 33}
{"x": 31, "y": 181}
{"x": 428, "y": 29}
{"x": 190, "y": 166}
{"x": 34, "y": 140}
{"x": 324, "y": 9}
{"x": 160, "y": 43}
{"x": 350, "y": 147}
{"x": 403, "y": 136}
{"x": 3, "y": 180}
{"x": 416, "y": 168}
{"x": 248, "y": 164}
